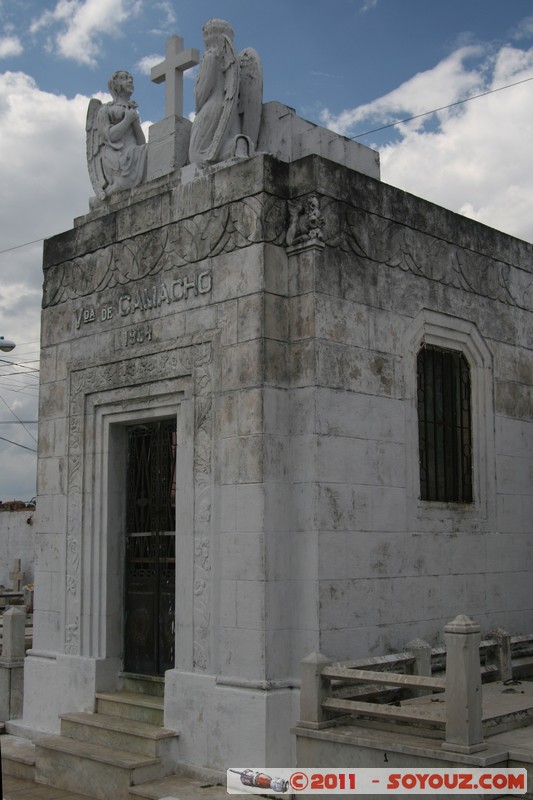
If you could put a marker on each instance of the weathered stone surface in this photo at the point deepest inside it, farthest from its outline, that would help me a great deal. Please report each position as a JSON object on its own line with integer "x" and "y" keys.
{"x": 292, "y": 374}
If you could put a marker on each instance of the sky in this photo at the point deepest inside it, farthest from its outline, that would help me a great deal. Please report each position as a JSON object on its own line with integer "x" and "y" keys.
{"x": 350, "y": 65}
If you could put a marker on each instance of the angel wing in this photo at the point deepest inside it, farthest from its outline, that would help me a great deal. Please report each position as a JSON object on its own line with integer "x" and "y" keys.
{"x": 250, "y": 93}
{"x": 93, "y": 142}
{"x": 230, "y": 68}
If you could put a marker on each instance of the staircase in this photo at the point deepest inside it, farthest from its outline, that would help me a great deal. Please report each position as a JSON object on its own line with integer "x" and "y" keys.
{"x": 120, "y": 746}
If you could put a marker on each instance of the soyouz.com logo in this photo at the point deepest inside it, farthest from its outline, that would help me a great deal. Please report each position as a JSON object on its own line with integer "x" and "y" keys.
{"x": 375, "y": 781}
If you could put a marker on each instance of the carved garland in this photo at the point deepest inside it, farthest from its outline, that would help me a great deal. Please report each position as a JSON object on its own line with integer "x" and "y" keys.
{"x": 388, "y": 243}
{"x": 238, "y": 225}
{"x": 267, "y": 219}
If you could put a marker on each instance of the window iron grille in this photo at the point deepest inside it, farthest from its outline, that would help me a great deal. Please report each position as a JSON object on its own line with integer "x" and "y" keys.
{"x": 444, "y": 425}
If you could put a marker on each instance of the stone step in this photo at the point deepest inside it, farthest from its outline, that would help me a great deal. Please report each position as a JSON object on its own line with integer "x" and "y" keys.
{"x": 179, "y": 787}
{"x": 120, "y": 733}
{"x": 142, "y": 684}
{"x": 80, "y": 766}
{"x": 18, "y": 757}
{"x": 131, "y": 705}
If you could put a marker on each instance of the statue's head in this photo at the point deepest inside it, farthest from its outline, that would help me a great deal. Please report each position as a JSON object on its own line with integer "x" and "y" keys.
{"x": 214, "y": 28}
{"x": 120, "y": 83}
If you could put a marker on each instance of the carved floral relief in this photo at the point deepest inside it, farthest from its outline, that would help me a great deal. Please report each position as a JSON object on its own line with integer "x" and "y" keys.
{"x": 269, "y": 219}
{"x": 223, "y": 230}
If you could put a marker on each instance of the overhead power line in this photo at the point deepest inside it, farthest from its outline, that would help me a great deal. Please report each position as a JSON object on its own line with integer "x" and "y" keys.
{"x": 19, "y": 375}
{"x": 18, "y": 419}
{"x": 18, "y": 445}
{"x": 19, "y": 389}
{"x": 441, "y": 108}
{"x": 17, "y": 364}
{"x": 18, "y": 246}
{"x": 356, "y": 136}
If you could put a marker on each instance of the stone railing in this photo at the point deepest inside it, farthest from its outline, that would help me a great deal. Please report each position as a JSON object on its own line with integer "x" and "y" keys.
{"x": 12, "y": 663}
{"x": 352, "y": 688}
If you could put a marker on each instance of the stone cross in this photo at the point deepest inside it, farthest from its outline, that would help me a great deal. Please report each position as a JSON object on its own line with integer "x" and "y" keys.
{"x": 16, "y": 575}
{"x": 171, "y": 70}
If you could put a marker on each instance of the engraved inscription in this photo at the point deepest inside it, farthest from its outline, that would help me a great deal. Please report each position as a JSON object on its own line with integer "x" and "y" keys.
{"x": 143, "y": 301}
{"x": 137, "y": 335}
{"x": 156, "y": 296}
{"x": 88, "y": 314}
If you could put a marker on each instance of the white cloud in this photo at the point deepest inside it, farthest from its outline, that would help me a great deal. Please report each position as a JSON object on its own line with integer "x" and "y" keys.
{"x": 443, "y": 84}
{"x": 524, "y": 29}
{"x": 169, "y": 15}
{"x": 82, "y": 24}
{"x": 44, "y": 135}
{"x": 64, "y": 10}
{"x": 145, "y": 64}
{"x": 44, "y": 185}
{"x": 476, "y": 158}
{"x": 10, "y": 46}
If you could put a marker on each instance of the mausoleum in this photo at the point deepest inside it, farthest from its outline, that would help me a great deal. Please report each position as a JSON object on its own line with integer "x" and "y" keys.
{"x": 284, "y": 407}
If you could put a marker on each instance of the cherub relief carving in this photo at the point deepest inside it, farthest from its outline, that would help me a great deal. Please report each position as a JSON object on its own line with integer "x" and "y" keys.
{"x": 305, "y": 221}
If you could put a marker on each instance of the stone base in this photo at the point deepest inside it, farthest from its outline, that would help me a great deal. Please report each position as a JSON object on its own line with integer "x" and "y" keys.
{"x": 463, "y": 748}
{"x": 357, "y": 747}
{"x": 256, "y": 728}
{"x": 168, "y": 146}
{"x": 289, "y": 137}
{"x": 71, "y": 684}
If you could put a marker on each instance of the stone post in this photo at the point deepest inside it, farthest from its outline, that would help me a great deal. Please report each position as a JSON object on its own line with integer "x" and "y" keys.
{"x": 502, "y": 656}
{"x": 464, "y": 731}
{"x": 12, "y": 664}
{"x": 422, "y": 664}
{"x": 314, "y": 688}
{"x": 422, "y": 653}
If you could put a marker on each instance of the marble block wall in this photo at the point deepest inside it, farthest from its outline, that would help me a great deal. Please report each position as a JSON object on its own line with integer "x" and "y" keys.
{"x": 292, "y": 374}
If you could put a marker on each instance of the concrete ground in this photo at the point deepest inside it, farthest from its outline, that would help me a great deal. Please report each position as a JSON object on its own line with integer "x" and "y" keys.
{"x": 18, "y": 789}
{"x": 176, "y": 788}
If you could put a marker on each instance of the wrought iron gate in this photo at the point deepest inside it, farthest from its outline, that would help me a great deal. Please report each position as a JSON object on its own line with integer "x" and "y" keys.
{"x": 150, "y": 548}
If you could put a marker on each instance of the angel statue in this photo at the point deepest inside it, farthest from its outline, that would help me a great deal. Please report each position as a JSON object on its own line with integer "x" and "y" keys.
{"x": 116, "y": 146}
{"x": 228, "y": 91}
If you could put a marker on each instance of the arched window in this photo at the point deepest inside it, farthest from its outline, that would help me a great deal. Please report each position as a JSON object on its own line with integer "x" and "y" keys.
{"x": 464, "y": 392}
{"x": 444, "y": 425}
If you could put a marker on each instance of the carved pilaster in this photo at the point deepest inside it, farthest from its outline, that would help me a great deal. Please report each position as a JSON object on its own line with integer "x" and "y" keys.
{"x": 203, "y": 422}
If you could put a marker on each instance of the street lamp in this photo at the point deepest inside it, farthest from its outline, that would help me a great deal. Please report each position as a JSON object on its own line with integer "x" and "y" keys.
{"x": 6, "y": 345}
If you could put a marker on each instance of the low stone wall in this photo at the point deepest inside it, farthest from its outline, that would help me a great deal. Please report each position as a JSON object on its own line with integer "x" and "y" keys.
{"x": 16, "y": 541}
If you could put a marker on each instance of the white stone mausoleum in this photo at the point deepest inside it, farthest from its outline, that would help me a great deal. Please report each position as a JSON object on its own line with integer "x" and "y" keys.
{"x": 285, "y": 407}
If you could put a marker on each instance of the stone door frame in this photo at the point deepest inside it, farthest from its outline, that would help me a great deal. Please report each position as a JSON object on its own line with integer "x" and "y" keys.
{"x": 104, "y": 400}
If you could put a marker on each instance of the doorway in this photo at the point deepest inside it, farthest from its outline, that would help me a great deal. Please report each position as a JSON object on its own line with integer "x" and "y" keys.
{"x": 150, "y": 584}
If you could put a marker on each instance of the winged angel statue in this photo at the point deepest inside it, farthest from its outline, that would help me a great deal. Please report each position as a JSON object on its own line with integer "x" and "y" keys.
{"x": 116, "y": 146}
{"x": 228, "y": 91}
